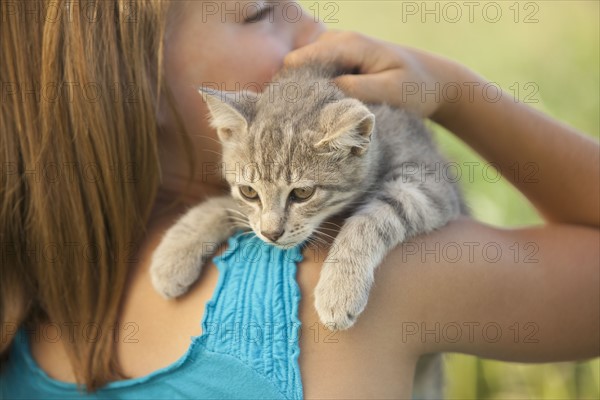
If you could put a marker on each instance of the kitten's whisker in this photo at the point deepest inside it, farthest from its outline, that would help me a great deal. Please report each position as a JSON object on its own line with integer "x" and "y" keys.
{"x": 236, "y": 218}
{"x": 325, "y": 234}
{"x": 314, "y": 243}
{"x": 238, "y": 225}
{"x": 212, "y": 151}
{"x": 330, "y": 229}
{"x": 235, "y": 225}
{"x": 326, "y": 238}
{"x": 237, "y": 214}
{"x": 236, "y": 211}
{"x": 319, "y": 240}
{"x": 239, "y": 218}
{"x": 245, "y": 227}
{"x": 206, "y": 137}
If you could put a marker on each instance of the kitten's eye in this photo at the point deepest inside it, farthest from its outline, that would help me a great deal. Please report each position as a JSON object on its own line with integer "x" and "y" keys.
{"x": 301, "y": 194}
{"x": 248, "y": 192}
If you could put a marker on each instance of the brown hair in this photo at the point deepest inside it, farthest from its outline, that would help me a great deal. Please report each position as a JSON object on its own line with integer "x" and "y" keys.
{"x": 78, "y": 143}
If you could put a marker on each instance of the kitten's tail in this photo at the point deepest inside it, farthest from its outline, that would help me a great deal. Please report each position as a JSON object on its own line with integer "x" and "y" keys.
{"x": 429, "y": 379}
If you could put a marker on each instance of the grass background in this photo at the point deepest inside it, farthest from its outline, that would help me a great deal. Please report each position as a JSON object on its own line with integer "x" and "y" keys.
{"x": 553, "y": 46}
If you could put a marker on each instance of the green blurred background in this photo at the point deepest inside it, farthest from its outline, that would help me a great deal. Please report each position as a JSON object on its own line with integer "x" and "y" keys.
{"x": 548, "y": 52}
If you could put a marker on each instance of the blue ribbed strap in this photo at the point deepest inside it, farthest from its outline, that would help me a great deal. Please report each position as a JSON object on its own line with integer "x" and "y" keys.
{"x": 253, "y": 314}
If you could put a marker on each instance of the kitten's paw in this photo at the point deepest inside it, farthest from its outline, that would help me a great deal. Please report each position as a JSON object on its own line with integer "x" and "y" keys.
{"x": 173, "y": 274}
{"x": 341, "y": 294}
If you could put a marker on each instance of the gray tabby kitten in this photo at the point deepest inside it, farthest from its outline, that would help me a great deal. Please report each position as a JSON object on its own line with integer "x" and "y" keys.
{"x": 296, "y": 155}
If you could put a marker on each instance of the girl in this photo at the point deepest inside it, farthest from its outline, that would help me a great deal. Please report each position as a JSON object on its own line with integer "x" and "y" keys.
{"x": 101, "y": 127}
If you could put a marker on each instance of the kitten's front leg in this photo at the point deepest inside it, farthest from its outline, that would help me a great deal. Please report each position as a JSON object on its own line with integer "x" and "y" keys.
{"x": 347, "y": 273}
{"x": 187, "y": 245}
{"x": 401, "y": 211}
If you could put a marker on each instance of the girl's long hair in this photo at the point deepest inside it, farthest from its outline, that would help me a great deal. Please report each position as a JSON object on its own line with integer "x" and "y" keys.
{"x": 79, "y": 167}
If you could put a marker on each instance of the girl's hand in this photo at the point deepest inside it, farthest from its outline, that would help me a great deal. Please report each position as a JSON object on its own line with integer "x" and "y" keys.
{"x": 397, "y": 75}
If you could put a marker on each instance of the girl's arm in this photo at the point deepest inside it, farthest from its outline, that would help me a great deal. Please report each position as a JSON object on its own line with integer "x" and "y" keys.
{"x": 565, "y": 186}
{"x": 522, "y": 295}
{"x": 528, "y": 295}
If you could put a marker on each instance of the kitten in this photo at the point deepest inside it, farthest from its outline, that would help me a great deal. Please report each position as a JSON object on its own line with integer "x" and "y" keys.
{"x": 299, "y": 153}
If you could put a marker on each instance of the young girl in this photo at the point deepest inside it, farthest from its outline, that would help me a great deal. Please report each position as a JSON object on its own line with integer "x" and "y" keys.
{"x": 101, "y": 124}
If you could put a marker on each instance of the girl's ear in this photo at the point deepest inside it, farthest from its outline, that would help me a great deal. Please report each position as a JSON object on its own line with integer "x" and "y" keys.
{"x": 230, "y": 112}
{"x": 347, "y": 126}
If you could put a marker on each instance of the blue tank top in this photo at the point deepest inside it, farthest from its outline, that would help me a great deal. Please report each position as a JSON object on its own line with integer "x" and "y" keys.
{"x": 248, "y": 348}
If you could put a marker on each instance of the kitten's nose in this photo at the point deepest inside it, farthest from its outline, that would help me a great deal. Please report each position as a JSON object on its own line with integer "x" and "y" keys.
{"x": 273, "y": 235}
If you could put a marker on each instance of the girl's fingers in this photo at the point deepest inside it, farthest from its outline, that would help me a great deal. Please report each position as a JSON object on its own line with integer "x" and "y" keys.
{"x": 389, "y": 87}
{"x": 348, "y": 50}
{"x": 367, "y": 88}
{"x": 378, "y": 72}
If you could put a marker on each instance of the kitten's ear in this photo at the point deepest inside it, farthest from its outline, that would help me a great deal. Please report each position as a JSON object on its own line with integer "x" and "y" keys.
{"x": 348, "y": 125}
{"x": 230, "y": 112}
